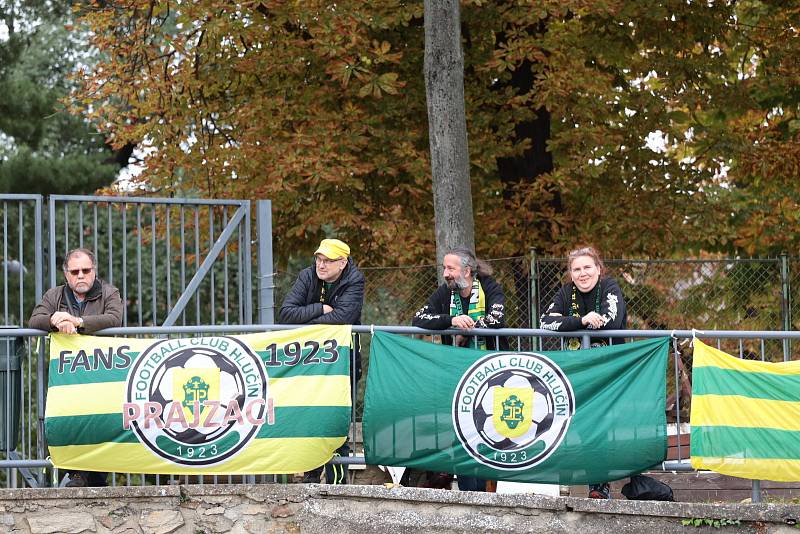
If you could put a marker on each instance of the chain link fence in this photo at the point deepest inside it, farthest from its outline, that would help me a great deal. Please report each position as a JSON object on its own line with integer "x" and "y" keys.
{"x": 714, "y": 294}
{"x": 685, "y": 294}
{"x": 710, "y": 294}
{"x": 394, "y": 294}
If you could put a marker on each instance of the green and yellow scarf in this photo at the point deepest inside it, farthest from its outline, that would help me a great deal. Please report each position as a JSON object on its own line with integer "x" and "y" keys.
{"x": 574, "y": 343}
{"x": 477, "y": 306}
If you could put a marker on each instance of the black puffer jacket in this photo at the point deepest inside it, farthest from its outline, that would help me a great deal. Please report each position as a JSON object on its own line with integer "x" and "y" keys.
{"x": 346, "y": 297}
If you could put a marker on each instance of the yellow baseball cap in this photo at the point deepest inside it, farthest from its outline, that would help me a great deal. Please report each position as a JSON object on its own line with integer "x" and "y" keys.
{"x": 333, "y": 249}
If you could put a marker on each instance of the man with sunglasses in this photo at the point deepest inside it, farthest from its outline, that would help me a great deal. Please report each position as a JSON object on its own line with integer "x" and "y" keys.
{"x": 85, "y": 304}
{"x": 331, "y": 291}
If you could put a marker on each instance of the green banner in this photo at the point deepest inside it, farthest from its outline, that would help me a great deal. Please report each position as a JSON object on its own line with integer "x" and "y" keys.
{"x": 551, "y": 417}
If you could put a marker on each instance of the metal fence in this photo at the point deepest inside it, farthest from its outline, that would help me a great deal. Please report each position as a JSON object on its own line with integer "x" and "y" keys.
{"x": 30, "y": 465}
{"x": 175, "y": 261}
{"x": 706, "y": 294}
{"x": 718, "y": 294}
{"x": 712, "y": 294}
{"x": 189, "y": 262}
{"x": 393, "y": 294}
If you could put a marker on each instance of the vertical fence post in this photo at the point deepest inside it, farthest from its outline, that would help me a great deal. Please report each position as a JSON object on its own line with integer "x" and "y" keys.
{"x": 755, "y": 496}
{"x": 533, "y": 305}
{"x": 786, "y": 305}
{"x": 248, "y": 265}
{"x": 677, "y": 363}
{"x": 51, "y": 233}
{"x": 266, "y": 278}
{"x": 38, "y": 262}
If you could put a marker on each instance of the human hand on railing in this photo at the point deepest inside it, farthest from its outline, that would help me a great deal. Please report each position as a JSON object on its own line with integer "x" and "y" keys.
{"x": 593, "y": 320}
{"x": 60, "y": 317}
{"x": 67, "y": 327}
{"x": 464, "y": 322}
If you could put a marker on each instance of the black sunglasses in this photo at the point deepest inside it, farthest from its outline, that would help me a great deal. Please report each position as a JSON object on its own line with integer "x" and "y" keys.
{"x": 74, "y": 272}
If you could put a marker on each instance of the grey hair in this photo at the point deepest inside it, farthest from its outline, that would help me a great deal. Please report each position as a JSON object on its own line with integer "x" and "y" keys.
{"x": 77, "y": 251}
{"x": 468, "y": 259}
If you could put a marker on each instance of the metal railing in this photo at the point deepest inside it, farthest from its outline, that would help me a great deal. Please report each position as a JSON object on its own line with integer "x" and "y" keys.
{"x": 174, "y": 260}
{"x": 26, "y": 460}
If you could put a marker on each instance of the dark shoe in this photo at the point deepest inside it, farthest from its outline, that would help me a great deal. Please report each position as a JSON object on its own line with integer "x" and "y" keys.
{"x": 466, "y": 483}
{"x": 96, "y": 479}
{"x": 599, "y": 491}
{"x": 77, "y": 480}
{"x": 312, "y": 477}
{"x": 438, "y": 481}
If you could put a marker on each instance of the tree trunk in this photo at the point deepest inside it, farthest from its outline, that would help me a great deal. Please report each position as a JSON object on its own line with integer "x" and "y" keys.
{"x": 447, "y": 126}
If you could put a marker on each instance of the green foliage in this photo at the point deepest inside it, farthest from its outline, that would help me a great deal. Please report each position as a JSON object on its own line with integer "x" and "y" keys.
{"x": 706, "y": 522}
{"x": 44, "y": 149}
{"x": 71, "y": 174}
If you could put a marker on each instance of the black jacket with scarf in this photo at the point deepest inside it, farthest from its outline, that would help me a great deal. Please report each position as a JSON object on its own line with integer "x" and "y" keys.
{"x": 435, "y": 315}
{"x": 558, "y": 315}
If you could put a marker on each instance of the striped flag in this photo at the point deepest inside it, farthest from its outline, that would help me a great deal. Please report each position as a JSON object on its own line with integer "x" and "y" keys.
{"x": 745, "y": 416}
{"x": 260, "y": 403}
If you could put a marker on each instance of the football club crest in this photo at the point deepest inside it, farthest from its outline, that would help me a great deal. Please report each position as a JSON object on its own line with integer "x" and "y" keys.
{"x": 197, "y": 401}
{"x": 512, "y": 410}
{"x": 195, "y": 385}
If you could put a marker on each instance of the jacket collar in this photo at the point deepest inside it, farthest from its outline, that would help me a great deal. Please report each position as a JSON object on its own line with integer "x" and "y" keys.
{"x": 93, "y": 294}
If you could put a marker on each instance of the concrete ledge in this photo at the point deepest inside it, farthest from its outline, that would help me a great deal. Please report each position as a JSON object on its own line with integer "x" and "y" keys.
{"x": 771, "y": 512}
{"x": 320, "y": 508}
{"x": 399, "y": 493}
{"x": 128, "y": 492}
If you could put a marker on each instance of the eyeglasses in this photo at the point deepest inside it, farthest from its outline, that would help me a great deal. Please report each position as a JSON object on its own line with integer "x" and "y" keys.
{"x": 76, "y": 272}
{"x": 325, "y": 261}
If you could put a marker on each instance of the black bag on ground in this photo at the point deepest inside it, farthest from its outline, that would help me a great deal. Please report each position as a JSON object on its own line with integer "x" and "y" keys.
{"x": 643, "y": 488}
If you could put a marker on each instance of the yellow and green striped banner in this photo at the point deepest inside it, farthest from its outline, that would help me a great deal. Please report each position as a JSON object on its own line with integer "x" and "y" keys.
{"x": 260, "y": 403}
{"x": 745, "y": 416}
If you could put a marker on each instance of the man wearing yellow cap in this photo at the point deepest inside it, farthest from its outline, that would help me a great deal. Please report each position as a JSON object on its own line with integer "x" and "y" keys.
{"x": 331, "y": 291}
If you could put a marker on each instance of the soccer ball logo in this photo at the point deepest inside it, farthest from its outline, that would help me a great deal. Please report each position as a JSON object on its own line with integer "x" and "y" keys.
{"x": 512, "y": 410}
{"x": 540, "y": 413}
{"x": 163, "y": 391}
{"x": 197, "y": 401}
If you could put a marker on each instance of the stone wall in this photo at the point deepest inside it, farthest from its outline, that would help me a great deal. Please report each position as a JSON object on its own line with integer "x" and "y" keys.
{"x": 295, "y": 508}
